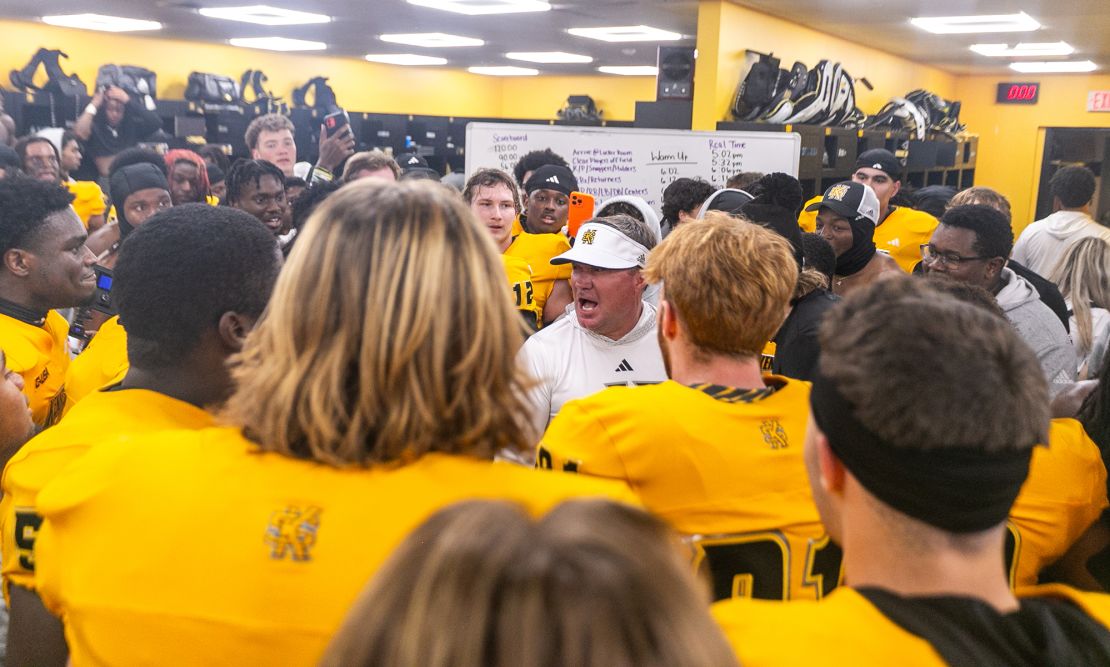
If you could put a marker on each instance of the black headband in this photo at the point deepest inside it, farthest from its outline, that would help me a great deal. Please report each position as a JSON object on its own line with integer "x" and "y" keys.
{"x": 956, "y": 489}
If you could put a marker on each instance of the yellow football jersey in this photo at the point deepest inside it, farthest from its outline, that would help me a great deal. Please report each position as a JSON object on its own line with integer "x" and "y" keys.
{"x": 103, "y": 415}
{"x": 847, "y": 629}
{"x": 88, "y": 199}
{"x": 102, "y": 363}
{"x": 723, "y": 466}
{"x": 537, "y": 250}
{"x": 196, "y": 546}
{"x": 900, "y": 234}
{"x": 41, "y": 357}
{"x": 519, "y": 274}
{"x": 1063, "y": 496}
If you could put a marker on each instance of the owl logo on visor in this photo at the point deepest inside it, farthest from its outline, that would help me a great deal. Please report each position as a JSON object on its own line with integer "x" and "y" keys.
{"x": 837, "y": 192}
{"x": 588, "y": 236}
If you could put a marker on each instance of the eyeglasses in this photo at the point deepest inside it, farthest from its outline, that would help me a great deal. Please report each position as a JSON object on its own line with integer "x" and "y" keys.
{"x": 931, "y": 256}
{"x": 41, "y": 161}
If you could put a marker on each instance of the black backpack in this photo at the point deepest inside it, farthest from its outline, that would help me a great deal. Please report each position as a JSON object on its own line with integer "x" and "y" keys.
{"x": 212, "y": 89}
{"x": 136, "y": 81}
{"x": 323, "y": 97}
{"x": 57, "y": 82}
{"x": 758, "y": 86}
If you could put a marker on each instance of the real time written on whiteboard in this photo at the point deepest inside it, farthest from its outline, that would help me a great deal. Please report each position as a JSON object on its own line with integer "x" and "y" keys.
{"x": 610, "y": 162}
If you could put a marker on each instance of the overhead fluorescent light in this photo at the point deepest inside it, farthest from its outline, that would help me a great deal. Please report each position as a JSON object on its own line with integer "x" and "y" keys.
{"x": 405, "y": 59}
{"x": 627, "y": 33}
{"x": 1024, "y": 49}
{"x": 101, "y": 22}
{"x": 1049, "y": 67}
{"x": 504, "y": 70}
{"x": 629, "y": 70}
{"x": 480, "y": 7}
{"x": 431, "y": 40}
{"x": 949, "y": 25}
{"x": 548, "y": 57}
{"x": 263, "y": 15}
{"x": 277, "y": 44}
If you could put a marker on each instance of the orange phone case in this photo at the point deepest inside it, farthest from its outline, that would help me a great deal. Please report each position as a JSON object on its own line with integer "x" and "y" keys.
{"x": 581, "y": 210}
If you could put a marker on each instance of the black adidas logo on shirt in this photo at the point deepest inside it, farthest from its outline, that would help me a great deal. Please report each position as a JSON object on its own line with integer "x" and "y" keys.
{"x": 625, "y": 366}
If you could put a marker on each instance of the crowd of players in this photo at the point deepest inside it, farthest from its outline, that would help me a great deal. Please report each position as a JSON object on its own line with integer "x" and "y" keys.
{"x": 355, "y": 416}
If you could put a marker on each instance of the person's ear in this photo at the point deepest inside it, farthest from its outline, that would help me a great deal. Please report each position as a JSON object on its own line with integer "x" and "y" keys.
{"x": 995, "y": 266}
{"x": 233, "y": 329}
{"x": 832, "y": 470}
{"x": 897, "y": 188}
{"x": 668, "y": 320}
{"x": 254, "y": 154}
{"x": 19, "y": 262}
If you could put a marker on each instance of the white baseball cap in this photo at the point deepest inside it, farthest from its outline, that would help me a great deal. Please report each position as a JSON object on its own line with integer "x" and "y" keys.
{"x": 605, "y": 247}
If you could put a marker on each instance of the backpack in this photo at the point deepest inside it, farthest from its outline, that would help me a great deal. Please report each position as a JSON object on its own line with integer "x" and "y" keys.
{"x": 136, "y": 81}
{"x": 57, "y": 81}
{"x": 206, "y": 89}
{"x": 757, "y": 87}
{"x": 323, "y": 97}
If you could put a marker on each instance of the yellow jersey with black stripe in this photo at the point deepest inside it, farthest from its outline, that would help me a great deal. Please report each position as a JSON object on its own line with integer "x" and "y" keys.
{"x": 88, "y": 199}
{"x": 39, "y": 353}
{"x": 723, "y": 466}
{"x": 1063, "y": 496}
{"x": 102, "y": 363}
{"x": 103, "y": 415}
{"x": 522, "y": 289}
{"x": 197, "y": 543}
{"x": 537, "y": 250}
{"x": 901, "y": 233}
{"x": 876, "y": 628}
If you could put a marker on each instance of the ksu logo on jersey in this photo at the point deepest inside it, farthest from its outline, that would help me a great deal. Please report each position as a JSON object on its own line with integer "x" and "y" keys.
{"x": 774, "y": 434}
{"x": 292, "y": 531}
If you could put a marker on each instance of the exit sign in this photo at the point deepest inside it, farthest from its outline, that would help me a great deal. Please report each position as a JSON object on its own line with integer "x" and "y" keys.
{"x": 1098, "y": 100}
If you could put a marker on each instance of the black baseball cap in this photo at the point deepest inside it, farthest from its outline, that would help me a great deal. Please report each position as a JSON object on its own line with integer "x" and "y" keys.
{"x": 881, "y": 159}
{"x": 552, "y": 177}
{"x": 413, "y": 165}
{"x": 851, "y": 200}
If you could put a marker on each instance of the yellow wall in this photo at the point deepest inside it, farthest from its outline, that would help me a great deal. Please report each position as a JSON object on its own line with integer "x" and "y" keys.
{"x": 359, "y": 85}
{"x": 542, "y": 96}
{"x": 725, "y": 30}
{"x": 1010, "y": 140}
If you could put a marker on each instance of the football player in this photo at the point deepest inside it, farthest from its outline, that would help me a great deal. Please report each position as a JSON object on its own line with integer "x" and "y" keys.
{"x": 916, "y": 488}
{"x": 716, "y": 449}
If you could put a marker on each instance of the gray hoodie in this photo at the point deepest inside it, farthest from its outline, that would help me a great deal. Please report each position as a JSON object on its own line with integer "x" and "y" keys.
{"x": 1044, "y": 243}
{"x": 1040, "y": 328}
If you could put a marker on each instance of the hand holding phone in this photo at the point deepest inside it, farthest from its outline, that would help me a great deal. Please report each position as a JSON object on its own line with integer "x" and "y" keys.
{"x": 581, "y": 210}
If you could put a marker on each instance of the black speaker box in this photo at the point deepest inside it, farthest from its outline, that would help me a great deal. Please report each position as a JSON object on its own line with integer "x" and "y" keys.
{"x": 675, "y": 80}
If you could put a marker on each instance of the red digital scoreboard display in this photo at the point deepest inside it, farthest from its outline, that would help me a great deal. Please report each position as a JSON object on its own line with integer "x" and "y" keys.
{"x": 1018, "y": 93}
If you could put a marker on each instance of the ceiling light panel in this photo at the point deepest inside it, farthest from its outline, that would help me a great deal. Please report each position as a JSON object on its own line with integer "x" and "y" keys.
{"x": 482, "y": 7}
{"x": 101, "y": 22}
{"x": 950, "y": 25}
{"x": 504, "y": 70}
{"x": 548, "y": 57}
{"x": 431, "y": 40}
{"x": 277, "y": 44}
{"x": 1041, "y": 49}
{"x": 629, "y": 70}
{"x": 1052, "y": 67}
{"x": 626, "y": 33}
{"x": 263, "y": 15}
{"x": 408, "y": 59}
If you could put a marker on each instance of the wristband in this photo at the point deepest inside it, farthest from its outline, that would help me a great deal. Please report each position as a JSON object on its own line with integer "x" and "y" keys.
{"x": 91, "y": 109}
{"x": 322, "y": 174}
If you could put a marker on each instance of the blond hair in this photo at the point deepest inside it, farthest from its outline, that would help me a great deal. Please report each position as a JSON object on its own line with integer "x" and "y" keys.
{"x": 982, "y": 195}
{"x": 369, "y": 161}
{"x": 271, "y": 122}
{"x": 389, "y": 334}
{"x": 480, "y": 584}
{"x": 1083, "y": 275}
{"x": 730, "y": 282}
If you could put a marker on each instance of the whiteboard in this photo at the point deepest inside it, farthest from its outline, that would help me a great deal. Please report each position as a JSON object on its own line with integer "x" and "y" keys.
{"x": 613, "y": 161}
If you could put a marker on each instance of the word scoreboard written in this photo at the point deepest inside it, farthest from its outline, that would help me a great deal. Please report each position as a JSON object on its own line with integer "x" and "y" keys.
{"x": 611, "y": 162}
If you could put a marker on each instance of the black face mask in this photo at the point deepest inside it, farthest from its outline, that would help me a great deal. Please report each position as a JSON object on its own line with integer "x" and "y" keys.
{"x": 130, "y": 179}
{"x": 863, "y": 248}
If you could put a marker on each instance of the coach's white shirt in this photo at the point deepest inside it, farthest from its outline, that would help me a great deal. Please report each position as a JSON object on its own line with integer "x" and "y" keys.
{"x": 571, "y": 362}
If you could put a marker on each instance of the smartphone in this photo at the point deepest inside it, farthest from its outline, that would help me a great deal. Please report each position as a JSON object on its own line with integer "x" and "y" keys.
{"x": 334, "y": 122}
{"x": 581, "y": 210}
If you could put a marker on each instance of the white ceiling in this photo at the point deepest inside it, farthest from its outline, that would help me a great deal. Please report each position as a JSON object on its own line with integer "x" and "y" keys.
{"x": 356, "y": 23}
